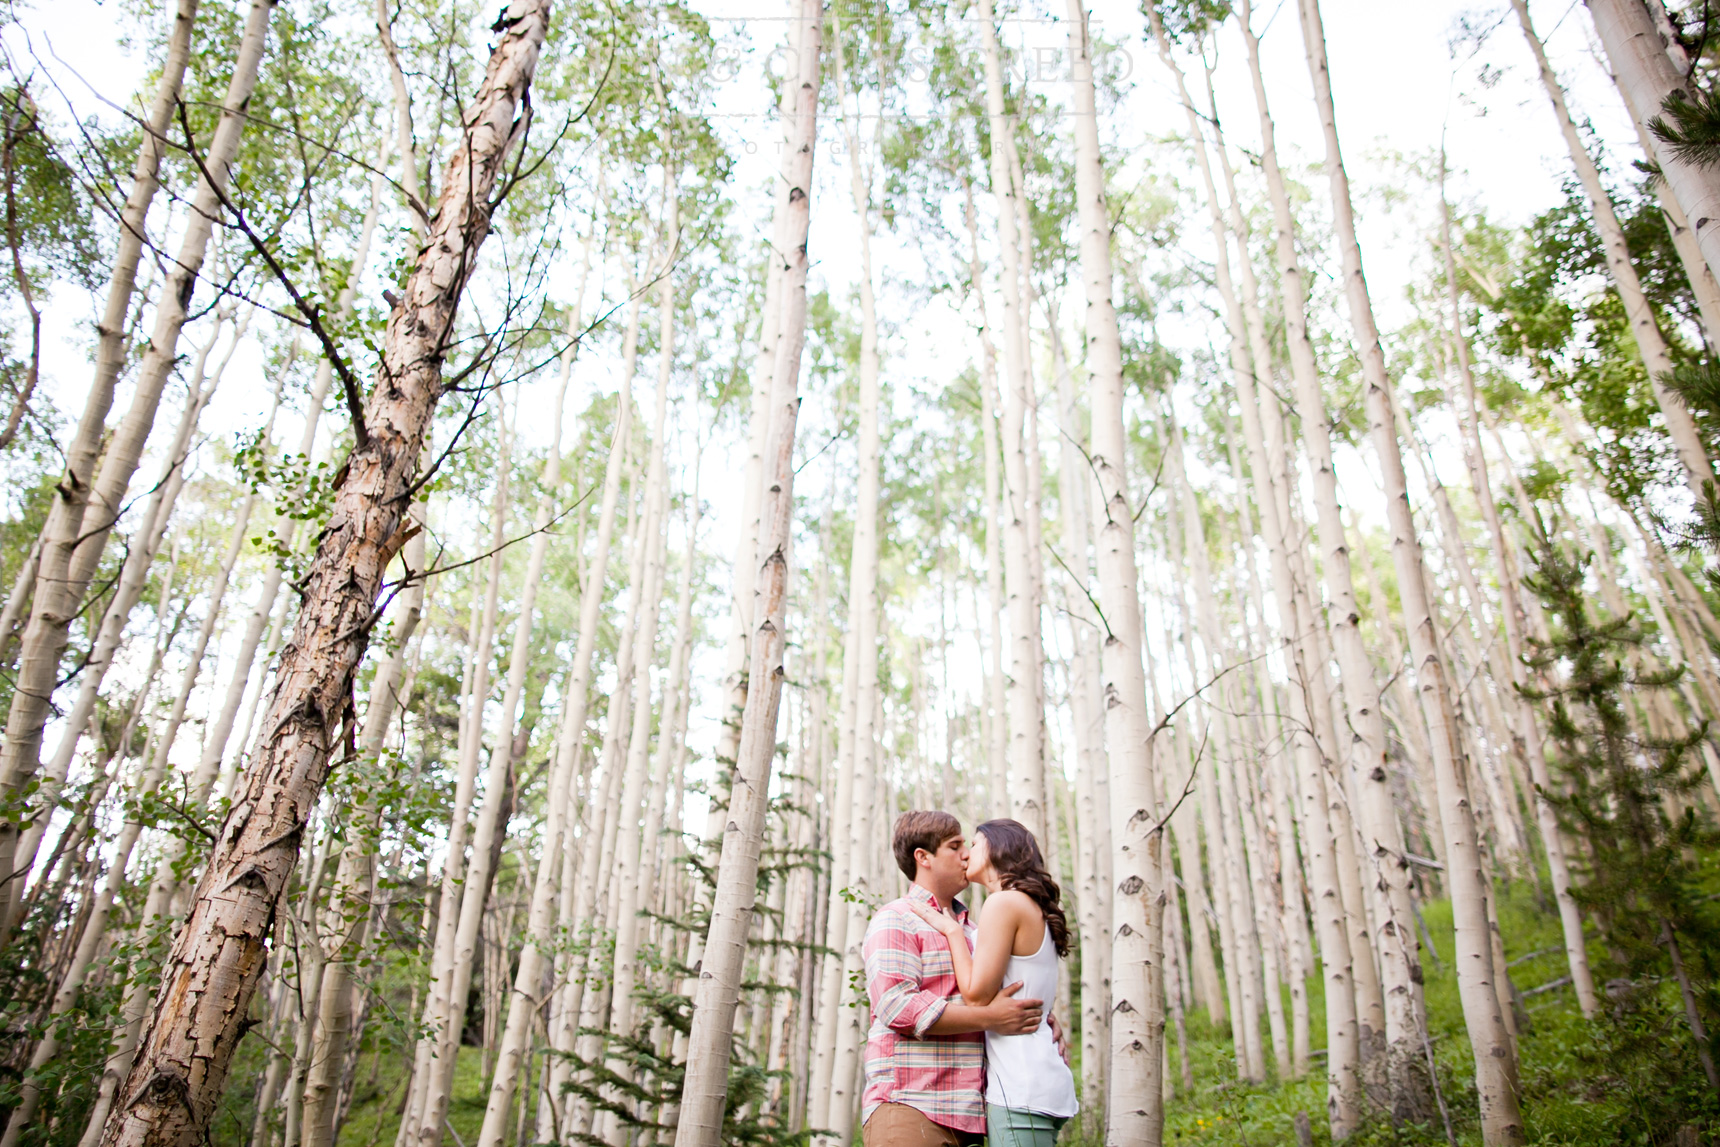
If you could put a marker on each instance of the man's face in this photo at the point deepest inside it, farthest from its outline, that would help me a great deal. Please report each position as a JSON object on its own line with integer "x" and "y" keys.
{"x": 944, "y": 872}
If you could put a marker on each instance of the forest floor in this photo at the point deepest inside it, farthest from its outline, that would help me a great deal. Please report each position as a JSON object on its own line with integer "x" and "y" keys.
{"x": 375, "y": 1115}
{"x": 1562, "y": 1103}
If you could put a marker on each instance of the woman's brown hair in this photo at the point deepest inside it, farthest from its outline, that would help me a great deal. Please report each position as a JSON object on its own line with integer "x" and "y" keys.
{"x": 1021, "y": 867}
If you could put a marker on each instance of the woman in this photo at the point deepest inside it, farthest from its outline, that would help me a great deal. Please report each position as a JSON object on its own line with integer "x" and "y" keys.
{"x": 1029, "y": 1090}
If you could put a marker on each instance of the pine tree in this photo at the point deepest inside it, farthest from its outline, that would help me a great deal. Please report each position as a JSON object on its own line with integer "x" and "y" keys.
{"x": 1628, "y": 796}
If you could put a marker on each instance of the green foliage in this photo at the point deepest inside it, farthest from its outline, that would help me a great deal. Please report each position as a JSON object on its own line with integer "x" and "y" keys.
{"x": 1648, "y": 865}
{"x": 1690, "y": 124}
{"x": 1548, "y": 301}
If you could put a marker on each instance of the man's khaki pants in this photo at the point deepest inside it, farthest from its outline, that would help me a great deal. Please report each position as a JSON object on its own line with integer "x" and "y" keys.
{"x": 898, "y": 1125}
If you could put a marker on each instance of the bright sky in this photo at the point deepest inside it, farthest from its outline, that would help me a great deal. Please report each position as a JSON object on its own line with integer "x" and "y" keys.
{"x": 1395, "y": 89}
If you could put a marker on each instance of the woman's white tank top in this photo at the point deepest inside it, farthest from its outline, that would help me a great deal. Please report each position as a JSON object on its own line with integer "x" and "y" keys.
{"x": 1024, "y": 1071}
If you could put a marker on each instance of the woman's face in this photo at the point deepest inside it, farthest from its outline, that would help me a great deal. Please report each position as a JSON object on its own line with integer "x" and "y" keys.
{"x": 979, "y": 857}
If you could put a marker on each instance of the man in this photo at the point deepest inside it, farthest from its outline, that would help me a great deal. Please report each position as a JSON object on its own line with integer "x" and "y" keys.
{"x": 925, "y": 1051}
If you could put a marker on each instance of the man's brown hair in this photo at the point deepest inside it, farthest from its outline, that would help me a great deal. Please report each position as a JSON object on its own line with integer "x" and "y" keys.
{"x": 924, "y": 830}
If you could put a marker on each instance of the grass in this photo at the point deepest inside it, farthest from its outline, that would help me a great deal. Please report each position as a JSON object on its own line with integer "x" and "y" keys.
{"x": 1563, "y": 1103}
{"x": 1572, "y": 1095}
{"x": 375, "y": 1114}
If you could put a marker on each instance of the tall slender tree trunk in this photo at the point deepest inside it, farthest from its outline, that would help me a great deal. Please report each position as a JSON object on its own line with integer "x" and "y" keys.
{"x": 1383, "y": 867}
{"x": 708, "y": 1045}
{"x": 1218, "y": 806}
{"x": 1644, "y": 328}
{"x": 134, "y": 573}
{"x": 1026, "y": 761}
{"x": 1136, "y": 1114}
{"x": 84, "y": 513}
{"x": 996, "y": 744}
{"x": 629, "y": 844}
{"x": 1647, "y": 78}
{"x": 1511, "y": 606}
{"x": 1495, "y": 1057}
{"x": 444, "y": 1010}
{"x": 529, "y": 985}
{"x": 861, "y": 741}
{"x": 1086, "y": 705}
{"x": 170, "y": 1095}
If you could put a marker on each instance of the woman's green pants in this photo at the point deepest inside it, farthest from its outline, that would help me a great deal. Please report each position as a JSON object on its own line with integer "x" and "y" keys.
{"x": 1013, "y": 1127}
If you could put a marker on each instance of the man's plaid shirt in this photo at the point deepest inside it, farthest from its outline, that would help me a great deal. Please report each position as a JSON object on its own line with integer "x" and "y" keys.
{"x": 911, "y": 980}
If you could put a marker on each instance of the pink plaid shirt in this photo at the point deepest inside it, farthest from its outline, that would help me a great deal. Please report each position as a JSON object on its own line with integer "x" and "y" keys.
{"x": 911, "y": 980}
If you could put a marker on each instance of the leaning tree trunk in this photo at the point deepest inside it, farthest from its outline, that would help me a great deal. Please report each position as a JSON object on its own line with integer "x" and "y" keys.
{"x": 134, "y": 575}
{"x": 1495, "y": 1057}
{"x": 170, "y": 1096}
{"x": 1137, "y": 836}
{"x": 1385, "y": 867}
{"x": 1644, "y": 328}
{"x": 709, "y": 1043}
{"x": 1647, "y": 78}
{"x": 77, "y": 531}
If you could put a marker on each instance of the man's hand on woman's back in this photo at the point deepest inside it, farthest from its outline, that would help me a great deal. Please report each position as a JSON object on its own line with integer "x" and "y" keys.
{"x": 1008, "y": 1015}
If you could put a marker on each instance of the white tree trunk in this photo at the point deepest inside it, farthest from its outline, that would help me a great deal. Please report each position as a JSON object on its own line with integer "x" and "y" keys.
{"x": 1086, "y": 704}
{"x": 77, "y": 531}
{"x": 1026, "y": 761}
{"x": 629, "y": 845}
{"x": 858, "y": 743}
{"x": 1495, "y": 1057}
{"x": 1646, "y": 78}
{"x": 212, "y": 971}
{"x": 1644, "y": 329}
{"x": 708, "y": 1045}
{"x": 1136, "y": 1113}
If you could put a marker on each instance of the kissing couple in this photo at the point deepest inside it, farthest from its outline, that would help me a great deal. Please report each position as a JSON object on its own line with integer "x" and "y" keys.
{"x": 962, "y": 1045}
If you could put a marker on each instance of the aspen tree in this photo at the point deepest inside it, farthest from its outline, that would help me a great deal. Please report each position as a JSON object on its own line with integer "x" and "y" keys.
{"x": 708, "y": 1045}
{"x": 1136, "y": 1099}
{"x": 138, "y": 998}
{"x": 1026, "y": 763}
{"x": 352, "y": 895}
{"x": 594, "y": 894}
{"x": 1086, "y": 704}
{"x": 76, "y": 534}
{"x": 997, "y": 741}
{"x": 1644, "y": 329}
{"x": 1248, "y": 349}
{"x": 94, "y": 930}
{"x": 1325, "y": 891}
{"x": 83, "y": 450}
{"x": 1291, "y": 921}
{"x": 1384, "y": 869}
{"x": 1511, "y": 608}
{"x": 1649, "y": 82}
{"x": 216, "y": 960}
{"x": 860, "y": 764}
{"x": 1495, "y": 1057}
{"x": 444, "y": 1009}
{"x": 752, "y": 483}
{"x": 133, "y": 576}
{"x": 626, "y": 873}
{"x": 577, "y": 895}
{"x": 528, "y": 983}
{"x": 1218, "y": 807}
